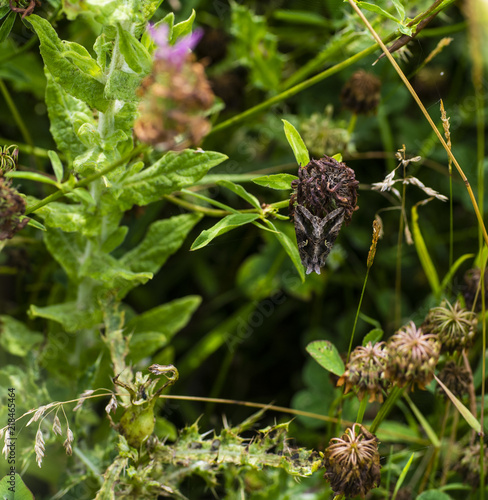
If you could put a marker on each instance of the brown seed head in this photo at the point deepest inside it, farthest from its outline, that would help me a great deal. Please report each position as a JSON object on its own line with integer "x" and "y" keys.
{"x": 456, "y": 378}
{"x": 361, "y": 93}
{"x": 413, "y": 356}
{"x": 352, "y": 462}
{"x": 365, "y": 371}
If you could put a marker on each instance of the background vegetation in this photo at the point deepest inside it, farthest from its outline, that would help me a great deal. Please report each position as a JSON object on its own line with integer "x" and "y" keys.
{"x": 238, "y": 315}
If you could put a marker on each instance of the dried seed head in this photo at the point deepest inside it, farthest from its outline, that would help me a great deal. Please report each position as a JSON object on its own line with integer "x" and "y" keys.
{"x": 365, "y": 371}
{"x": 472, "y": 290}
{"x": 413, "y": 356}
{"x": 456, "y": 378}
{"x": 468, "y": 465}
{"x": 57, "y": 426}
{"x": 82, "y": 399}
{"x": 12, "y": 209}
{"x": 39, "y": 447}
{"x": 377, "y": 233}
{"x": 361, "y": 93}
{"x": 112, "y": 404}
{"x": 39, "y": 412}
{"x": 454, "y": 325}
{"x": 352, "y": 462}
{"x": 67, "y": 443}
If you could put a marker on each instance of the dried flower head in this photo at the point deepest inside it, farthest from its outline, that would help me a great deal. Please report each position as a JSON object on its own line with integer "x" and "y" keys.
{"x": 352, "y": 462}
{"x": 324, "y": 197}
{"x": 413, "y": 356}
{"x": 472, "y": 289}
{"x": 39, "y": 447}
{"x": 468, "y": 465}
{"x": 361, "y": 93}
{"x": 456, "y": 378}
{"x": 377, "y": 233}
{"x": 365, "y": 371}
{"x": 67, "y": 443}
{"x": 175, "y": 96}
{"x": 454, "y": 325}
{"x": 12, "y": 209}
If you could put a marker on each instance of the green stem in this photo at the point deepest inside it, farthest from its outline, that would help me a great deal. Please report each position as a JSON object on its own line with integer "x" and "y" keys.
{"x": 211, "y": 212}
{"x": 25, "y": 148}
{"x": 386, "y": 407}
{"x": 357, "y": 314}
{"x": 87, "y": 180}
{"x": 362, "y": 408}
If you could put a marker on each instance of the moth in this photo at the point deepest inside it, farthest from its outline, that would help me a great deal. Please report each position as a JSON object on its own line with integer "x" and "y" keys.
{"x": 316, "y": 236}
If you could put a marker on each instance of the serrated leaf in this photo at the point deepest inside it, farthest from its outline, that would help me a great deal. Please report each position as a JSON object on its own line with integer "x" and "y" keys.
{"x": 66, "y": 114}
{"x": 68, "y": 315}
{"x": 56, "y": 164}
{"x": 327, "y": 356}
{"x": 70, "y": 65}
{"x": 378, "y": 10}
{"x": 17, "y": 491}
{"x": 275, "y": 181}
{"x": 240, "y": 191}
{"x": 297, "y": 145}
{"x": 66, "y": 248}
{"x": 170, "y": 173}
{"x": 16, "y": 338}
{"x": 374, "y": 335}
{"x": 153, "y": 329}
{"x": 135, "y": 54}
{"x": 224, "y": 225}
{"x": 6, "y": 27}
{"x": 162, "y": 240}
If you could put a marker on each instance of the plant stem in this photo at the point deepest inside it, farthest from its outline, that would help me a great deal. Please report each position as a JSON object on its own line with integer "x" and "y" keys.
{"x": 357, "y": 314}
{"x": 386, "y": 407}
{"x": 87, "y": 180}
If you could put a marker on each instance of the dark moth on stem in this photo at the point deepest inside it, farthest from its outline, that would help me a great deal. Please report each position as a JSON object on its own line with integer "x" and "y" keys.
{"x": 324, "y": 197}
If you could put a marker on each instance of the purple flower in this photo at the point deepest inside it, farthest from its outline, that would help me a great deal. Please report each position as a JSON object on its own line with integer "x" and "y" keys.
{"x": 173, "y": 54}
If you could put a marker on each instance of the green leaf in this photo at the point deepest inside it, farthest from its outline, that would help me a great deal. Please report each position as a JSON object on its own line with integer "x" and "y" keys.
{"x": 240, "y": 191}
{"x": 449, "y": 275}
{"x": 290, "y": 248}
{"x": 378, "y": 10}
{"x": 434, "y": 495}
{"x": 66, "y": 248}
{"x": 403, "y": 475}
{"x": 68, "y": 315}
{"x": 182, "y": 29}
{"x": 275, "y": 181}
{"x": 297, "y": 145}
{"x": 69, "y": 218}
{"x": 135, "y": 54}
{"x": 226, "y": 224}
{"x": 423, "y": 253}
{"x": 155, "y": 328}
{"x": 374, "y": 335}
{"x": 36, "y": 224}
{"x": 115, "y": 239}
{"x": 400, "y": 8}
{"x": 18, "y": 490}
{"x": 122, "y": 85}
{"x": 6, "y": 27}
{"x": 16, "y": 338}
{"x": 57, "y": 165}
{"x": 31, "y": 176}
{"x": 162, "y": 240}
{"x": 70, "y": 65}
{"x": 83, "y": 195}
{"x": 327, "y": 356}
{"x": 66, "y": 115}
{"x": 465, "y": 413}
{"x": 170, "y": 173}
{"x": 337, "y": 157}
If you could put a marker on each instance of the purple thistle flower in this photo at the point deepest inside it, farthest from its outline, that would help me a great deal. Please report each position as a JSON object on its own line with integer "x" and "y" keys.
{"x": 173, "y": 54}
